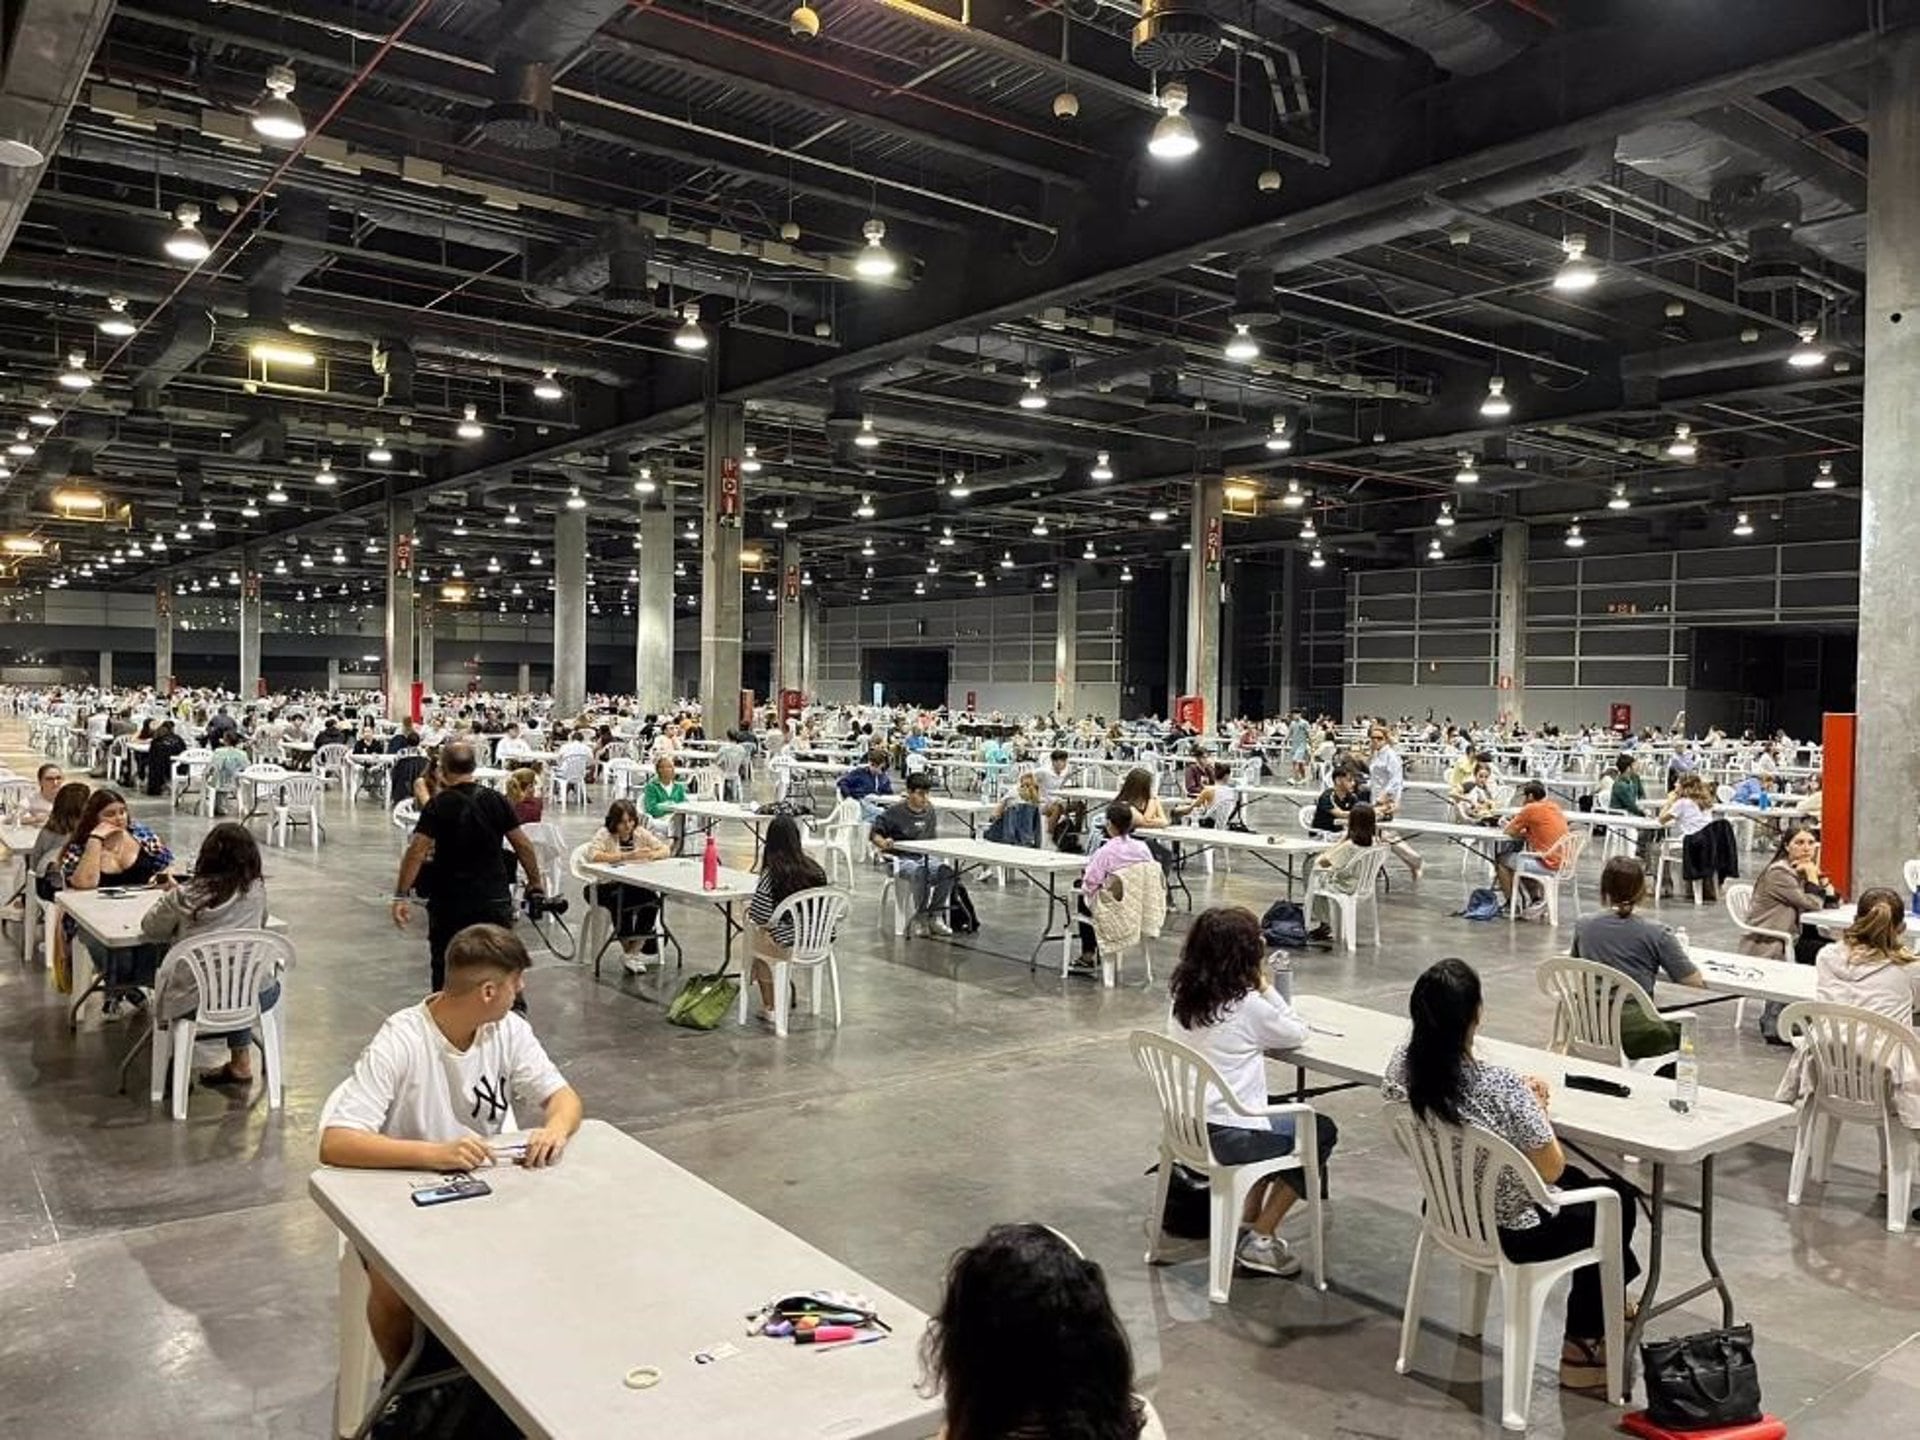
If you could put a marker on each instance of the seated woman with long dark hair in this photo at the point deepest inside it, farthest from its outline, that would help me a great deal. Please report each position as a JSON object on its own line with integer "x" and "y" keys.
{"x": 785, "y": 869}
{"x": 1437, "y": 1073}
{"x": 1225, "y": 1007}
{"x": 1026, "y": 1345}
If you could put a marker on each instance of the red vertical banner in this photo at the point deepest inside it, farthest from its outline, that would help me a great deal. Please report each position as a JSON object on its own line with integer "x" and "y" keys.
{"x": 403, "y": 553}
{"x": 729, "y": 491}
{"x": 250, "y": 583}
{"x": 1215, "y": 542}
{"x": 792, "y": 584}
{"x": 163, "y": 600}
{"x": 1836, "y": 800}
{"x": 1620, "y": 717}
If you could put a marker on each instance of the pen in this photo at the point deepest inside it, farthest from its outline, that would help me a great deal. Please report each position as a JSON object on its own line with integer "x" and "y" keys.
{"x": 848, "y": 1344}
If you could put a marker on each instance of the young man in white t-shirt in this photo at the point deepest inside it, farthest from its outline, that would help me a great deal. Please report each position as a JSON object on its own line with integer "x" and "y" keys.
{"x": 437, "y": 1082}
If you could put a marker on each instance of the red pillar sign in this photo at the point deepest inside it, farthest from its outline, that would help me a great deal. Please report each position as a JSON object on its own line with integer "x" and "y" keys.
{"x": 729, "y": 491}
{"x": 792, "y": 584}
{"x": 1215, "y": 541}
{"x": 403, "y": 553}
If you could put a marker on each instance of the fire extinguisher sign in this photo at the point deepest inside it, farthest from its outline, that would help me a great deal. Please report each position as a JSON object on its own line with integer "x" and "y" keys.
{"x": 729, "y": 491}
{"x": 403, "y": 553}
{"x": 793, "y": 584}
{"x": 1214, "y": 543}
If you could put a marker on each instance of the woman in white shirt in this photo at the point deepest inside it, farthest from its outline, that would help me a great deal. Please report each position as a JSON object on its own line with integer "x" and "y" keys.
{"x": 1225, "y": 1007}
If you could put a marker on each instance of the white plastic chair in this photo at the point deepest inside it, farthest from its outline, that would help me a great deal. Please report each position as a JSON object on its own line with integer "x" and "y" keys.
{"x": 596, "y": 923}
{"x": 620, "y": 779}
{"x": 1589, "y": 1000}
{"x": 297, "y": 802}
{"x": 839, "y": 839}
{"x": 405, "y": 816}
{"x": 1460, "y": 1168}
{"x": 1858, "y": 1059}
{"x": 1182, "y": 1081}
{"x": 257, "y": 778}
{"x": 1143, "y": 873}
{"x": 1225, "y": 804}
{"x": 1343, "y": 910}
{"x": 816, "y": 915}
{"x": 189, "y": 770}
{"x": 1672, "y": 855}
{"x": 1910, "y": 872}
{"x": 1566, "y": 851}
{"x": 230, "y": 967}
{"x": 330, "y": 765}
{"x": 567, "y": 779}
{"x": 1305, "y": 816}
{"x": 1738, "y": 898}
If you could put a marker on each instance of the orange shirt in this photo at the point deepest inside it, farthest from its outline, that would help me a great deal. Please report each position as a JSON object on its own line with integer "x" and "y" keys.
{"x": 1541, "y": 824}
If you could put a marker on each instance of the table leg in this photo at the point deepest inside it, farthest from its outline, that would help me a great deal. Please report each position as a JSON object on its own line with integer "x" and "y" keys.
{"x": 1707, "y": 1256}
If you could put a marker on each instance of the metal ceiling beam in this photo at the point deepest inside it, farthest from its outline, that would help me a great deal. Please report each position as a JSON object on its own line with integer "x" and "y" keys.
{"x": 49, "y": 45}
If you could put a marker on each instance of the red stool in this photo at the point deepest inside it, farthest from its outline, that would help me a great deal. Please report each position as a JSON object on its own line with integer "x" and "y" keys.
{"x": 1765, "y": 1428}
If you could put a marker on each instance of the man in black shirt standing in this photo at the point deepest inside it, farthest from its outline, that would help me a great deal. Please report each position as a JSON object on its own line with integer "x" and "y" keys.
{"x": 462, "y": 828}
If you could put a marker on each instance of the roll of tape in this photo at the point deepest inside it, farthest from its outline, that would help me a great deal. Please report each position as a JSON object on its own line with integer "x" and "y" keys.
{"x": 643, "y": 1377}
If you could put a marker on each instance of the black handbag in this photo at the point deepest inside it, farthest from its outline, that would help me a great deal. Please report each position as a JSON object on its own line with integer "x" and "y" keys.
{"x": 1703, "y": 1381}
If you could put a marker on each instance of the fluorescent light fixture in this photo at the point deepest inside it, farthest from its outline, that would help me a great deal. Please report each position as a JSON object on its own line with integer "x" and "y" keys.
{"x": 1576, "y": 273}
{"x": 469, "y": 427}
{"x": 1279, "y": 441}
{"x": 1241, "y": 492}
{"x": 280, "y": 350}
{"x": 875, "y": 261}
{"x": 23, "y": 545}
{"x": 1173, "y": 137}
{"x": 1467, "y": 474}
{"x": 1826, "y": 479}
{"x": 276, "y": 117}
{"x": 1683, "y": 445}
{"x": 75, "y": 376}
{"x": 690, "y": 337}
{"x": 866, "y": 439}
{"x": 1496, "y": 406}
{"x": 187, "y": 243}
{"x": 380, "y": 454}
{"x": 548, "y": 388}
{"x": 1808, "y": 354}
{"x": 84, "y": 502}
{"x": 1241, "y": 345}
{"x": 117, "y": 322}
{"x": 1033, "y": 397}
{"x": 1742, "y": 526}
{"x": 1102, "y": 467}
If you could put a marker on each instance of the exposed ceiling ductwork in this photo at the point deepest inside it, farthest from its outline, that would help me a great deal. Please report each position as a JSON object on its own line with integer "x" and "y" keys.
{"x": 621, "y": 267}
{"x": 534, "y": 39}
{"x": 50, "y": 45}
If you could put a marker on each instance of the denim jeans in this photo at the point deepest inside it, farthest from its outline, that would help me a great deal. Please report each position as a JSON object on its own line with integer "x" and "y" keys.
{"x": 931, "y": 879}
{"x": 241, "y": 1039}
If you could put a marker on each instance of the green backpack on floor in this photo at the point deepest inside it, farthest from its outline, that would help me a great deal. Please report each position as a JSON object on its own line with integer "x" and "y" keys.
{"x": 703, "y": 1002}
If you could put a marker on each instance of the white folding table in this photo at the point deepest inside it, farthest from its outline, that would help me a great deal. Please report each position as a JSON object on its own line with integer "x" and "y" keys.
{"x": 1043, "y": 865}
{"x": 681, "y": 879}
{"x": 550, "y": 1303}
{"x": 1353, "y": 1044}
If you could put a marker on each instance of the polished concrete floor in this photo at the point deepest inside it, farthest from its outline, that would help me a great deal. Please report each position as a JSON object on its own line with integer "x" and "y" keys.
{"x": 173, "y": 1278}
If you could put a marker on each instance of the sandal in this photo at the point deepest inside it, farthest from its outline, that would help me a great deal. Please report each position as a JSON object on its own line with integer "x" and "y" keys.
{"x": 226, "y": 1075}
{"x": 1589, "y": 1371}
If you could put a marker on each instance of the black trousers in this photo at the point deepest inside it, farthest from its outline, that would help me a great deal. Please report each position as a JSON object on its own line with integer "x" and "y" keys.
{"x": 447, "y": 917}
{"x": 635, "y": 911}
{"x": 1571, "y": 1229}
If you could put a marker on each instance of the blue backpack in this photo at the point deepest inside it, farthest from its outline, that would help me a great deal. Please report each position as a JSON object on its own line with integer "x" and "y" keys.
{"x": 1482, "y": 904}
{"x": 1284, "y": 926}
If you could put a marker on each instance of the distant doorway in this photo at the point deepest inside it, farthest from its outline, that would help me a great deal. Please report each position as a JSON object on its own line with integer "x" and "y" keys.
{"x": 910, "y": 677}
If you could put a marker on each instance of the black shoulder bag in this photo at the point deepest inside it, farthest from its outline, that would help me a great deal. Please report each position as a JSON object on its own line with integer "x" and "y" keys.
{"x": 1703, "y": 1381}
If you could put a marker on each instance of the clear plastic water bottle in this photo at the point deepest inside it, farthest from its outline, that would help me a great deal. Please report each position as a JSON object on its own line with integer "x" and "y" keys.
{"x": 1280, "y": 966}
{"x": 1686, "y": 1072}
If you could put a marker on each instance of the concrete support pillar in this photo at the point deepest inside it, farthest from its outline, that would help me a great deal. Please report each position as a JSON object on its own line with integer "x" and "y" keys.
{"x": 398, "y": 679}
{"x": 1176, "y": 628}
{"x": 1229, "y": 638}
{"x": 720, "y": 612}
{"x": 1287, "y": 671}
{"x": 810, "y": 613}
{"x": 569, "y": 612}
{"x": 1887, "y": 735}
{"x": 522, "y": 678}
{"x": 163, "y": 635}
{"x": 333, "y": 673}
{"x": 423, "y": 653}
{"x": 653, "y": 641}
{"x": 1205, "y": 569}
{"x": 106, "y": 669}
{"x": 789, "y": 643}
{"x": 1066, "y": 640}
{"x": 1511, "y": 700}
{"x": 249, "y": 623}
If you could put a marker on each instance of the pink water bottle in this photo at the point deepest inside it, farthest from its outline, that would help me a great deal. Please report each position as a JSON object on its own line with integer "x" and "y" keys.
{"x": 710, "y": 865}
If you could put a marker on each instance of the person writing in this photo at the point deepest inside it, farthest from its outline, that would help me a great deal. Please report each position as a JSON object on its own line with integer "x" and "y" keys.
{"x": 226, "y": 892}
{"x": 437, "y": 1082}
{"x": 864, "y": 782}
{"x": 785, "y": 870}
{"x": 636, "y": 911}
{"x": 1539, "y": 825}
{"x": 1637, "y": 948}
{"x": 1225, "y": 1007}
{"x": 1437, "y": 1073}
{"x": 462, "y": 828}
{"x": 1789, "y": 885}
{"x": 931, "y": 878}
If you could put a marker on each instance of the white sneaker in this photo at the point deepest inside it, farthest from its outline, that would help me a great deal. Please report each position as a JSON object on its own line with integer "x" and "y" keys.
{"x": 1265, "y": 1254}
{"x": 939, "y": 926}
{"x": 634, "y": 962}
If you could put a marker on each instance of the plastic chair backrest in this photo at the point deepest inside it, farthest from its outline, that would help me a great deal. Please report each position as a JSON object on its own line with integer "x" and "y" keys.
{"x": 331, "y": 757}
{"x": 1181, "y": 1078}
{"x": 1566, "y": 851}
{"x": 192, "y": 755}
{"x": 1910, "y": 872}
{"x": 816, "y": 915}
{"x": 230, "y": 967}
{"x": 1306, "y": 819}
{"x": 261, "y": 770}
{"x": 406, "y": 815}
{"x": 1367, "y": 876}
{"x": 1590, "y": 998}
{"x": 299, "y": 789}
{"x": 573, "y": 767}
{"x": 1855, "y": 1054}
{"x": 1460, "y": 1168}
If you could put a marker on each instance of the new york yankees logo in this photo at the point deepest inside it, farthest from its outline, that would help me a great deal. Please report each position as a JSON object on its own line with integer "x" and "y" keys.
{"x": 495, "y": 1099}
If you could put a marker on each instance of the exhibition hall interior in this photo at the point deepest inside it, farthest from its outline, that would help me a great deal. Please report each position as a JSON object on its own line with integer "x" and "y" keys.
{"x": 851, "y": 663}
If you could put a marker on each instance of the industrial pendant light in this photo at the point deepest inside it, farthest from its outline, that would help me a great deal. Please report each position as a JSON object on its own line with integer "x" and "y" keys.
{"x": 1241, "y": 345}
{"x": 690, "y": 337}
{"x": 1445, "y": 518}
{"x": 118, "y": 323}
{"x": 1808, "y": 354}
{"x": 187, "y": 243}
{"x": 469, "y": 427}
{"x": 1619, "y": 501}
{"x": 326, "y": 479}
{"x": 1173, "y": 138}
{"x": 866, "y": 439}
{"x": 1575, "y": 540}
{"x": 379, "y": 454}
{"x": 547, "y": 388}
{"x": 1278, "y": 440}
{"x": 1102, "y": 468}
{"x": 1496, "y": 406}
{"x": 75, "y": 376}
{"x": 276, "y": 117}
{"x": 750, "y": 463}
{"x": 1576, "y": 273}
{"x": 1826, "y": 479}
{"x": 1033, "y": 397}
{"x": 1467, "y": 474}
{"x": 875, "y": 261}
{"x": 1683, "y": 445}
